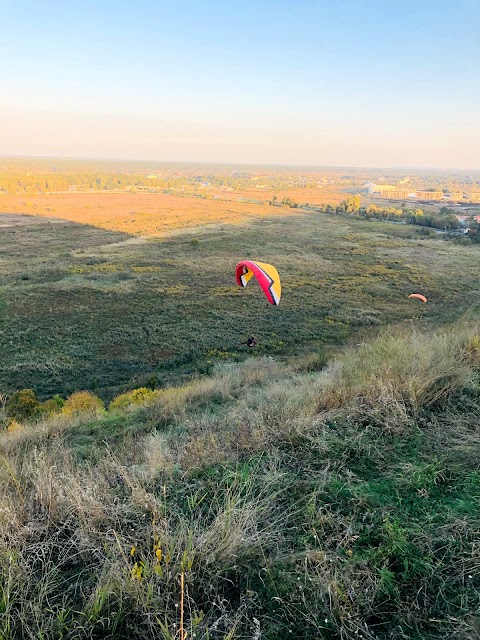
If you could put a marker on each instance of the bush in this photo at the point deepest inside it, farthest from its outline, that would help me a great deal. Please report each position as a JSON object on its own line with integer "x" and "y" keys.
{"x": 152, "y": 382}
{"x": 49, "y": 407}
{"x": 23, "y": 405}
{"x": 59, "y": 401}
{"x": 83, "y": 403}
{"x": 137, "y": 396}
{"x": 14, "y": 425}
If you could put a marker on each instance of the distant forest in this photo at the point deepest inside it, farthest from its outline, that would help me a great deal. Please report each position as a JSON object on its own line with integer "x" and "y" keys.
{"x": 24, "y": 176}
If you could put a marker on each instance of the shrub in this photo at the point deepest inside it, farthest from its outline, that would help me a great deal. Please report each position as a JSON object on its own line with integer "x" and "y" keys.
{"x": 137, "y": 396}
{"x": 152, "y": 382}
{"x": 83, "y": 403}
{"x": 59, "y": 401}
{"x": 49, "y": 407}
{"x": 23, "y": 405}
{"x": 14, "y": 425}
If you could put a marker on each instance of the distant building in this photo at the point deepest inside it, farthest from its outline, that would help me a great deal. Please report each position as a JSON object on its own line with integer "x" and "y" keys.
{"x": 474, "y": 196}
{"x": 397, "y": 194}
{"x": 430, "y": 195}
{"x": 382, "y": 188}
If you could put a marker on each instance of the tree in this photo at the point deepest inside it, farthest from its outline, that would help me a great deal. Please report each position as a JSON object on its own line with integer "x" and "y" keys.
{"x": 350, "y": 205}
{"x": 23, "y": 405}
{"x": 83, "y": 403}
{"x": 474, "y": 232}
{"x": 447, "y": 211}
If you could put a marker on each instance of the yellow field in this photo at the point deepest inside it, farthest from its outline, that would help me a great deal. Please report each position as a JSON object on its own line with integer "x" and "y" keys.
{"x": 154, "y": 214}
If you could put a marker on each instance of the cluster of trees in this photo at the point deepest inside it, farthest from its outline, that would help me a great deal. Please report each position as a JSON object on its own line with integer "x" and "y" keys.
{"x": 23, "y": 406}
{"x": 285, "y": 202}
{"x": 447, "y": 223}
{"x": 12, "y": 182}
{"x": 445, "y": 219}
{"x": 474, "y": 232}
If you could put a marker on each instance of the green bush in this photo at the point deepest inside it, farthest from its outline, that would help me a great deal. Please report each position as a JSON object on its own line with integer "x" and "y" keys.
{"x": 23, "y": 405}
{"x": 59, "y": 401}
{"x": 49, "y": 407}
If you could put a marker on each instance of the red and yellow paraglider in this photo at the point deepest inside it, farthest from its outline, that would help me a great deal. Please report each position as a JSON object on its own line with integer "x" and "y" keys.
{"x": 419, "y": 296}
{"x": 267, "y": 277}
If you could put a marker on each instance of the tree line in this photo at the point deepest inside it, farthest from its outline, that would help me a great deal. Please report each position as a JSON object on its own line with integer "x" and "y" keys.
{"x": 444, "y": 220}
{"x": 13, "y": 183}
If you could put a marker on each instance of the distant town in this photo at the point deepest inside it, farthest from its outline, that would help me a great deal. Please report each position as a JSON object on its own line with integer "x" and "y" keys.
{"x": 401, "y": 191}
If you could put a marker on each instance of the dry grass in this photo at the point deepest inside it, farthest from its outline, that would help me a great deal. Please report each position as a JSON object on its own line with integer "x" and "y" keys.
{"x": 265, "y": 502}
{"x": 138, "y": 214}
{"x": 397, "y": 376}
{"x": 131, "y": 552}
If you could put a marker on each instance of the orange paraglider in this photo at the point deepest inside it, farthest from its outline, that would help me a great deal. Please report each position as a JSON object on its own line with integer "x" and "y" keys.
{"x": 419, "y": 296}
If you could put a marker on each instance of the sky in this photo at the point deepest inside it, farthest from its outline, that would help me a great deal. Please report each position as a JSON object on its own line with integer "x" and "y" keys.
{"x": 381, "y": 83}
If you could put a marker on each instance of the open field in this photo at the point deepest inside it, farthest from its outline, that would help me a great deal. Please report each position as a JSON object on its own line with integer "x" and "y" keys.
{"x": 155, "y": 214}
{"x": 142, "y": 214}
{"x": 88, "y": 307}
{"x": 302, "y": 196}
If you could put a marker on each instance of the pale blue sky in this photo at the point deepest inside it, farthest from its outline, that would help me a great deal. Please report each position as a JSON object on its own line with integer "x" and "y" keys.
{"x": 345, "y": 82}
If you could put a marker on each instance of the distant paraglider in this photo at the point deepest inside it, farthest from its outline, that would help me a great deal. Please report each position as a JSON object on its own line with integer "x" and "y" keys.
{"x": 266, "y": 275}
{"x": 419, "y": 296}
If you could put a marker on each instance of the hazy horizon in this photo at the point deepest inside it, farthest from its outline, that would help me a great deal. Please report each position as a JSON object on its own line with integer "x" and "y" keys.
{"x": 366, "y": 85}
{"x": 235, "y": 164}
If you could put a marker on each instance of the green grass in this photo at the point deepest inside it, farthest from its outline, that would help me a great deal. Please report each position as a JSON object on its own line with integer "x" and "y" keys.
{"x": 312, "y": 491}
{"x": 331, "y": 504}
{"x": 79, "y": 309}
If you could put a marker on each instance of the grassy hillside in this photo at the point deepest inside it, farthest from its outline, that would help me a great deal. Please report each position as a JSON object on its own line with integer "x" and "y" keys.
{"x": 266, "y": 500}
{"x": 82, "y": 307}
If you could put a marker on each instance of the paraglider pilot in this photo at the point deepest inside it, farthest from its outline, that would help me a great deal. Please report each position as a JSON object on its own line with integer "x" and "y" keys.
{"x": 251, "y": 342}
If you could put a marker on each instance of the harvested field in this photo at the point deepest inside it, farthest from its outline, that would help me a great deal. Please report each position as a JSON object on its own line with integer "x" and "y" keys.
{"x": 139, "y": 213}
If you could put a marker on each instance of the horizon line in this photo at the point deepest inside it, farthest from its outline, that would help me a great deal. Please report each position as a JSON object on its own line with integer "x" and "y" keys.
{"x": 242, "y": 164}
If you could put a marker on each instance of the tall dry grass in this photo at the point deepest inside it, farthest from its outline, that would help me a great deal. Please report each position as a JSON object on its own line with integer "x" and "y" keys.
{"x": 245, "y": 504}
{"x": 396, "y": 376}
{"x": 97, "y": 539}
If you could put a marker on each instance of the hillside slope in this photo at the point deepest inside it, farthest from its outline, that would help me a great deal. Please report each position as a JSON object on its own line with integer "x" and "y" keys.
{"x": 265, "y": 501}
{"x": 85, "y": 308}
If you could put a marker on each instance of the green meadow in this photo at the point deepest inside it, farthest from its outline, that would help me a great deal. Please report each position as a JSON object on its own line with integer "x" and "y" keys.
{"x": 324, "y": 487}
{"x": 85, "y": 308}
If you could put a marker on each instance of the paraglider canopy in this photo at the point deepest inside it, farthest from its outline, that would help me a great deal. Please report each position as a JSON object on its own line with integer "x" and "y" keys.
{"x": 266, "y": 275}
{"x": 418, "y": 295}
